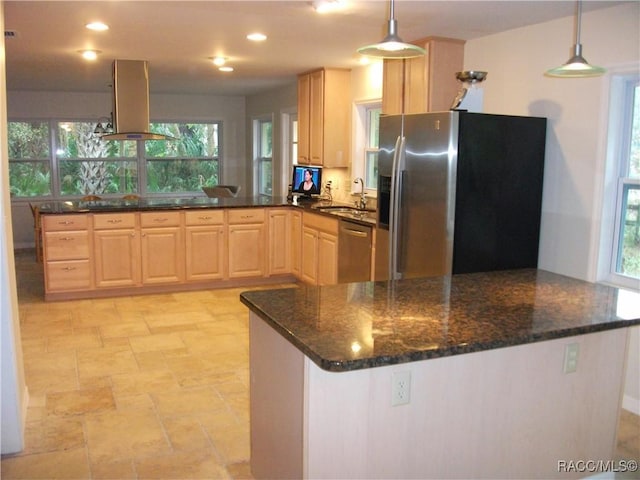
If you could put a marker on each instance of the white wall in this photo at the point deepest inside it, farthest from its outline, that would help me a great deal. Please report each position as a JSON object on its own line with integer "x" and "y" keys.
{"x": 92, "y": 106}
{"x": 576, "y": 110}
{"x": 274, "y": 103}
{"x": 14, "y": 393}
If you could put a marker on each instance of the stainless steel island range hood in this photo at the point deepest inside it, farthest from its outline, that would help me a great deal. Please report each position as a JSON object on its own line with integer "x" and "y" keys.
{"x": 131, "y": 102}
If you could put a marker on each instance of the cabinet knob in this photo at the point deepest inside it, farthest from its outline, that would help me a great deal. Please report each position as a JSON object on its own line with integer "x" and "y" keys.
{"x": 160, "y": 220}
{"x": 68, "y": 269}
{"x": 66, "y": 222}
{"x": 66, "y": 239}
{"x": 204, "y": 218}
{"x": 115, "y": 221}
{"x": 133, "y": 235}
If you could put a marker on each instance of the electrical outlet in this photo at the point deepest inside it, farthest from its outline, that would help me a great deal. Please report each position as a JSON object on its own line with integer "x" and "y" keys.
{"x": 571, "y": 357}
{"x": 400, "y": 388}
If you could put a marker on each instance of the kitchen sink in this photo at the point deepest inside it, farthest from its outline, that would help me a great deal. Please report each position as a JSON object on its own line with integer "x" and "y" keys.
{"x": 350, "y": 212}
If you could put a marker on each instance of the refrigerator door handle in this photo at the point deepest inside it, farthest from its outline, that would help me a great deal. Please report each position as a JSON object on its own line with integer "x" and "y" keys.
{"x": 394, "y": 209}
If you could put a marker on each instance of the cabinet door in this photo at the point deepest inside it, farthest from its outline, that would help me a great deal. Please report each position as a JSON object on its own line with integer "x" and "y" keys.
{"x": 117, "y": 258}
{"x": 303, "y": 119}
{"x": 316, "y": 117}
{"x": 309, "y": 262}
{"x": 279, "y": 242}
{"x": 246, "y": 250}
{"x": 162, "y": 255}
{"x": 392, "y": 86}
{"x": 205, "y": 250}
{"x": 327, "y": 259}
{"x": 296, "y": 243}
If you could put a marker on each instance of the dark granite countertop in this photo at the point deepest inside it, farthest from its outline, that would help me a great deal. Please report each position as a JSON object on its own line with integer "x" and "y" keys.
{"x": 190, "y": 203}
{"x": 363, "y": 325}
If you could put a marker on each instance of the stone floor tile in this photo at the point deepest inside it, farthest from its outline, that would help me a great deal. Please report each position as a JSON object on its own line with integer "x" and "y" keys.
{"x": 63, "y": 464}
{"x": 118, "y": 435}
{"x": 186, "y": 433}
{"x": 164, "y": 341}
{"x": 96, "y": 362}
{"x": 78, "y": 402}
{"x": 148, "y": 381}
{"x": 74, "y": 341}
{"x": 240, "y": 471}
{"x": 128, "y": 329}
{"x": 50, "y": 434}
{"x": 118, "y": 470}
{"x": 199, "y": 464}
{"x": 188, "y": 401}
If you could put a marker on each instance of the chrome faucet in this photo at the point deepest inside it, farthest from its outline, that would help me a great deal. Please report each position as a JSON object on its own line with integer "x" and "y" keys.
{"x": 362, "y": 203}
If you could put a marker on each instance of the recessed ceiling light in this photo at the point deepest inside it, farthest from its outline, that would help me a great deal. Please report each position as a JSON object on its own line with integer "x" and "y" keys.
{"x": 326, "y": 6}
{"x": 89, "y": 54}
{"x": 219, "y": 61}
{"x": 226, "y": 69}
{"x": 97, "y": 26}
{"x": 257, "y": 37}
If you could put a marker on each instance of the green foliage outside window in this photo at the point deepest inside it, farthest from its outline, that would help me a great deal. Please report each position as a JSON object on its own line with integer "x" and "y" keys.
{"x": 186, "y": 164}
{"x": 87, "y": 164}
{"x": 29, "y": 171}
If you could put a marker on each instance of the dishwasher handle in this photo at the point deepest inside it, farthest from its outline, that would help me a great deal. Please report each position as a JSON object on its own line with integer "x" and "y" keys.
{"x": 354, "y": 233}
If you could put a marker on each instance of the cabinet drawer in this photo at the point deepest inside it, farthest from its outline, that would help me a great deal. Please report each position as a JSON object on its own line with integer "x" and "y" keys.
{"x": 320, "y": 222}
{"x": 204, "y": 217}
{"x": 72, "y": 275}
{"x": 57, "y": 223}
{"x": 160, "y": 219}
{"x": 110, "y": 221}
{"x": 246, "y": 215}
{"x": 66, "y": 245}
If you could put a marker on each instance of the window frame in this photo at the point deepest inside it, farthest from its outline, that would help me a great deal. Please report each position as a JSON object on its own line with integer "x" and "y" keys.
{"x": 616, "y": 178}
{"x": 140, "y": 159}
{"x": 362, "y": 142}
{"x": 260, "y": 159}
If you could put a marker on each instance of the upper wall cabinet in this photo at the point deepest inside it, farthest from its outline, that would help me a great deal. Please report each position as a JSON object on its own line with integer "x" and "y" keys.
{"x": 324, "y": 117}
{"x": 423, "y": 84}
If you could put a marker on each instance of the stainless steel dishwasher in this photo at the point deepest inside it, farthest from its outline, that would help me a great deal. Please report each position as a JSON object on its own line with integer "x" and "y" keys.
{"x": 354, "y": 252}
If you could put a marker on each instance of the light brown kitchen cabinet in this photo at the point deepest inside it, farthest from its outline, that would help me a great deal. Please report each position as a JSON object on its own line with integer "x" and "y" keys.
{"x": 324, "y": 117}
{"x": 162, "y": 247}
{"x": 247, "y": 238}
{"x": 423, "y": 84}
{"x": 319, "y": 262}
{"x": 116, "y": 241}
{"x": 280, "y": 234}
{"x": 204, "y": 245}
{"x": 296, "y": 243}
{"x": 66, "y": 253}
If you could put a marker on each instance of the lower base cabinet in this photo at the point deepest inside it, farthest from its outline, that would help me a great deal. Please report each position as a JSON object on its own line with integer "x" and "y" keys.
{"x": 319, "y": 263}
{"x": 105, "y": 252}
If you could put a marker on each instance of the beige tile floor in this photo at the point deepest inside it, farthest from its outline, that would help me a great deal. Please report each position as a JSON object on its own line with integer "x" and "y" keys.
{"x": 143, "y": 387}
{"x": 153, "y": 386}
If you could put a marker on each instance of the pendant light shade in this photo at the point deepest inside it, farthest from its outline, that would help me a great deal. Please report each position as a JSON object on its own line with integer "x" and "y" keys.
{"x": 576, "y": 66}
{"x": 392, "y": 45}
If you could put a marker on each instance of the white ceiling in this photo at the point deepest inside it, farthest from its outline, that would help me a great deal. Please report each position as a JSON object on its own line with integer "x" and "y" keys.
{"x": 178, "y": 38}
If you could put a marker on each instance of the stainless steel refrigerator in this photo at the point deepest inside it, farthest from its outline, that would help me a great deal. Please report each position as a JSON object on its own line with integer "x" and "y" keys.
{"x": 458, "y": 192}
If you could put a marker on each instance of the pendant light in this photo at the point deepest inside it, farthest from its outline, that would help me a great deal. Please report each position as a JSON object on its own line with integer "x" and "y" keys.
{"x": 392, "y": 46}
{"x": 576, "y": 66}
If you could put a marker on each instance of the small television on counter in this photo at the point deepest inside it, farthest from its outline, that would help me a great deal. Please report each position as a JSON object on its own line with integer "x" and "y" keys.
{"x": 307, "y": 180}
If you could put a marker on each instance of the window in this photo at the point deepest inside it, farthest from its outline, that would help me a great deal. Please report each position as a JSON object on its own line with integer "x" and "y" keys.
{"x": 263, "y": 130}
{"x": 82, "y": 163}
{"x": 622, "y": 226}
{"x": 29, "y": 159}
{"x": 626, "y": 258}
{"x": 371, "y": 150}
{"x": 186, "y": 164}
{"x": 365, "y": 163}
{"x": 89, "y": 165}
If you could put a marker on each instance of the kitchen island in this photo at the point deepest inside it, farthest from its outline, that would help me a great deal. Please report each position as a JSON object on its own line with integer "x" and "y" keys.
{"x": 494, "y": 375}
